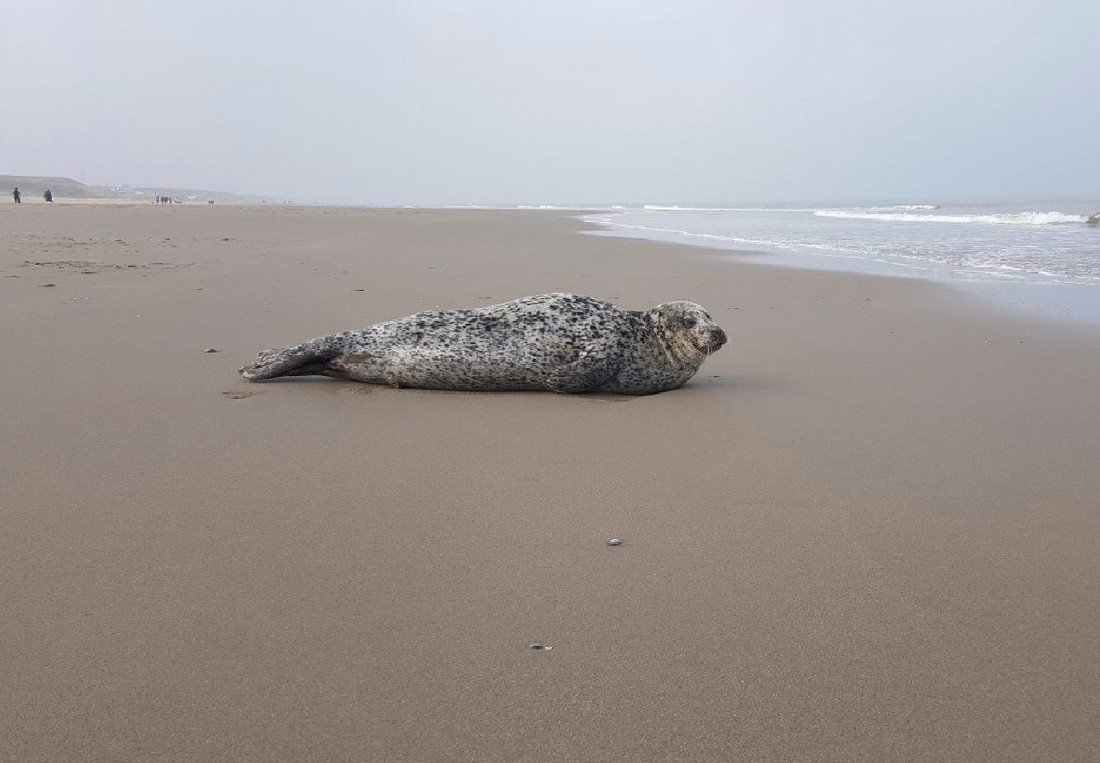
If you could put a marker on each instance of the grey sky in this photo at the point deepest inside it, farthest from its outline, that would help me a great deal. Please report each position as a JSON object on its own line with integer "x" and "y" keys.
{"x": 558, "y": 101}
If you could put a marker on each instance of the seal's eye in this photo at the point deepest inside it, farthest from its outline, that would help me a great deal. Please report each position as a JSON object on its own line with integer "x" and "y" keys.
{"x": 687, "y": 322}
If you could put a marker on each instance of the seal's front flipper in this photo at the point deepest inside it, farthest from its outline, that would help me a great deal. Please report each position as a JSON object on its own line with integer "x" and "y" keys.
{"x": 586, "y": 374}
{"x": 304, "y": 359}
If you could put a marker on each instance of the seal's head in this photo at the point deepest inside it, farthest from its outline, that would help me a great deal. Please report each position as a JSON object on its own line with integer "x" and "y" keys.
{"x": 688, "y": 331}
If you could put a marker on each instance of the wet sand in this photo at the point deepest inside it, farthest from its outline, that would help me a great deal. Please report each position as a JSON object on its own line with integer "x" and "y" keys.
{"x": 868, "y": 529}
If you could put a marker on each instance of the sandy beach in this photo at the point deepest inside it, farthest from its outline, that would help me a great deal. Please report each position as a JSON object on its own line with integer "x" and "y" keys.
{"x": 868, "y": 529}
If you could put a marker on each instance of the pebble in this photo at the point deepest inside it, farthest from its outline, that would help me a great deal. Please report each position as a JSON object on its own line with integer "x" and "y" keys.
{"x": 615, "y": 542}
{"x": 209, "y": 349}
{"x": 540, "y": 645}
{"x": 44, "y": 285}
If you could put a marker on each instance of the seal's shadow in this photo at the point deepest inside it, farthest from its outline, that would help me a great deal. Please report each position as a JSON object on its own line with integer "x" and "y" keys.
{"x": 740, "y": 383}
{"x": 603, "y": 397}
{"x": 706, "y": 385}
{"x": 360, "y": 388}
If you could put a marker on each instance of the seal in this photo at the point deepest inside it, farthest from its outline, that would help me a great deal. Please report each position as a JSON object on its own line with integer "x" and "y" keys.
{"x": 558, "y": 342}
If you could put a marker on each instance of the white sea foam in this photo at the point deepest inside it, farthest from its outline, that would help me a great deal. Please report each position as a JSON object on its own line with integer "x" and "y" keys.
{"x": 894, "y": 208}
{"x": 890, "y": 208}
{"x": 658, "y": 208}
{"x": 540, "y": 206}
{"x": 1019, "y": 218}
{"x": 608, "y": 220}
{"x": 993, "y": 240}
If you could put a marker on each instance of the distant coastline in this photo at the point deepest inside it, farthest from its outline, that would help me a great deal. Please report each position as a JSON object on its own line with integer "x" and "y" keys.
{"x": 33, "y": 186}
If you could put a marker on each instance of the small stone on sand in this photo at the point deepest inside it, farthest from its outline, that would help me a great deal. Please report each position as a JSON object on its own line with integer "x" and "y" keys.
{"x": 615, "y": 542}
{"x": 209, "y": 349}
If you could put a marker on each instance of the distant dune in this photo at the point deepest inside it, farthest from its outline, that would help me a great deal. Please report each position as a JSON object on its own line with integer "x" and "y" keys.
{"x": 67, "y": 188}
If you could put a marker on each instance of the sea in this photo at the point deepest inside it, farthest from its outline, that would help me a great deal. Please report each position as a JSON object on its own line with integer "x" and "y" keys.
{"x": 1040, "y": 255}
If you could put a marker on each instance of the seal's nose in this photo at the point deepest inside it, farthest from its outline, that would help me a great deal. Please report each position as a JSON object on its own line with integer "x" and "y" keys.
{"x": 717, "y": 338}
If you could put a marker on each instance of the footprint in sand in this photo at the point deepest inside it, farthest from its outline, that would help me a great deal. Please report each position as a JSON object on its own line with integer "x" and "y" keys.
{"x": 234, "y": 394}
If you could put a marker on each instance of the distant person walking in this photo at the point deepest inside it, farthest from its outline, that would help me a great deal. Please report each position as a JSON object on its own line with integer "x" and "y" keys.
{"x": 15, "y": 195}
{"x": 48, "y": 196}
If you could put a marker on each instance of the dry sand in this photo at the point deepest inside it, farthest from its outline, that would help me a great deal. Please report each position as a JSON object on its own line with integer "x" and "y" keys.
{"x": 868, "y": 528}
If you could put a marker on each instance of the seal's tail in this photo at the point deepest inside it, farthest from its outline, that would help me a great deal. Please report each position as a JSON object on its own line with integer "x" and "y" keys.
{"x": 306, "y": 359}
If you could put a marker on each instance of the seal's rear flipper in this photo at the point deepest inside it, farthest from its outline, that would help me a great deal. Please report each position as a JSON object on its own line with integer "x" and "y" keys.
{"x": 306, "y": 359}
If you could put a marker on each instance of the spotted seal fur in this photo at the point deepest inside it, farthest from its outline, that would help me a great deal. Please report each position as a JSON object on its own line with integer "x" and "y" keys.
{"x": 558, "y": 342}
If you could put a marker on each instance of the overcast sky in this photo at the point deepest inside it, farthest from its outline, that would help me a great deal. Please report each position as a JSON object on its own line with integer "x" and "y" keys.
{"x": 568, "y": 101}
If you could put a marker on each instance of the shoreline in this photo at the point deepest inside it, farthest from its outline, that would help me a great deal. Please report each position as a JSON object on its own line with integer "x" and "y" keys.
{"x": 866, "y": 529}
{"x": 1074, "y": 303}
